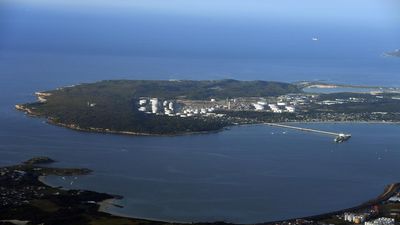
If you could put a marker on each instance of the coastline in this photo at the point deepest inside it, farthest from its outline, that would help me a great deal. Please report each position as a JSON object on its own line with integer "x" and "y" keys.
{"x": 106, "y": 205}
{"x": 107, "y": 131}
{"x": 389, "y": 191}
{"x": 130, "y": 133}
{"x": 100, "y": 204}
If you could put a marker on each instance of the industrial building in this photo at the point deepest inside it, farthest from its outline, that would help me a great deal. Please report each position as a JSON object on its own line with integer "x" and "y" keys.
{"x": 381, "y": 221}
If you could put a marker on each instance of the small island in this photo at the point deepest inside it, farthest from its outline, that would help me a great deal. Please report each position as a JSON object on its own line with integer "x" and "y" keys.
{"x": 395, "y": 53}
{"x": 175, "y": 107}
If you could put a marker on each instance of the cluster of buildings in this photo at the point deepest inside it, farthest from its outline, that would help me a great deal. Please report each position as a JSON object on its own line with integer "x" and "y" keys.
{"x": 278, "y": 107}
{"x": 394, "y": 199}
{"x": 172, "y": 108}
{"x": 356, "y": 218}
{"x": 156, "y": 106}
{"x": 297, "y": 99}
{"x": 190, "y": 111}
{"x": 285, "y": 103}
{"x": 12, "y": 193}
{"x": 341, "y": 101}
{"x": 363, "y": 218}
{"x": 381, "y": 221}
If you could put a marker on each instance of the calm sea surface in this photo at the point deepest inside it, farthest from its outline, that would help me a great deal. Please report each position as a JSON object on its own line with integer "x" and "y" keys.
{"x": 246, "y": 174}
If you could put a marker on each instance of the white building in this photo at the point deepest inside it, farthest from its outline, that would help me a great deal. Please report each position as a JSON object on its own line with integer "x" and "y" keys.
{"x": 355, "y": 218}
{"x": 394, "y": 199}
{"x": 258, "y": 107}
{"x": 262, "y": 103}
{"x": 381, "y": 221}
{"x": 281, "y": 103}
{"x": 274, "y": 108}
{"x": 290, "y": 109}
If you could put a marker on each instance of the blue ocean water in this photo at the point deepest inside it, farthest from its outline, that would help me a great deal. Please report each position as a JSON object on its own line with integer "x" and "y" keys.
{"x": 59, "y": 44}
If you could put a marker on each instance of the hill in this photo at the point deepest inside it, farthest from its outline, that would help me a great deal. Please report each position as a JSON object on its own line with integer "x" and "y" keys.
{"x": 111, "y": 106}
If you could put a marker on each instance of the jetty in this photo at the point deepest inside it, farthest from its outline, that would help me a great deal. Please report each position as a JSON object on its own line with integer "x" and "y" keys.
{"x": 339, "y": 137}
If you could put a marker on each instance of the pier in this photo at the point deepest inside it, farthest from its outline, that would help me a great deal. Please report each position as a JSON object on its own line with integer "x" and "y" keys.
{"x": 339, "y": 137}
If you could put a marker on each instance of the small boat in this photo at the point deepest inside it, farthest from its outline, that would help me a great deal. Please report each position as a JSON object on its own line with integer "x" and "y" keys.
{"x": 342, "y": 137}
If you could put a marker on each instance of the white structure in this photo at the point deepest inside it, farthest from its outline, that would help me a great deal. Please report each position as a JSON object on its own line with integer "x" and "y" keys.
{"x": 142, "y": 109}
{"x": 381, "y": 221}
{"x": 281, "y": 103}
{"x": 154, "y": 105}
{"x": 142, "y": 101}
{"x": 262, "y": 103}
{"x": 394, "y": 199}
{"x": 171, "y": 106}
{"x": 90, "y": 104}
{"x": 355, "y": 218}
{"x": 274, "y": 108}
{"x": 168, "y": 112}
{"x": 290, "y": 109}
{"x": 258, "y": 106}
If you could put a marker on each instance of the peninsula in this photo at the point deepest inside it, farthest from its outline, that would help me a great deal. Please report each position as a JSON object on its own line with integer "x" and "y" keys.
{"x": 174, "y": 107}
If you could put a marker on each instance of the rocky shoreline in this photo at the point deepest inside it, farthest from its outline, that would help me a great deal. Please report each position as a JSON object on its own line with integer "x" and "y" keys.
{"x": 76, "y": 127}
{"x": 108, "y": 131}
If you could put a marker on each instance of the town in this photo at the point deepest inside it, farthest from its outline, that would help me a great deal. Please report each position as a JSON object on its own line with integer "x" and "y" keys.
{"x": 303, "y": 104}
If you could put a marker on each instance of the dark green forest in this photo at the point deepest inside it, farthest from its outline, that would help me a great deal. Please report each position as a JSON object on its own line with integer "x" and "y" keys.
{"x": 116, "y": 100}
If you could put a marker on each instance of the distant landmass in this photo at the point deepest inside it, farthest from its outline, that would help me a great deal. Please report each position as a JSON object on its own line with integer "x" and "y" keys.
{"x": 395, "y": 53}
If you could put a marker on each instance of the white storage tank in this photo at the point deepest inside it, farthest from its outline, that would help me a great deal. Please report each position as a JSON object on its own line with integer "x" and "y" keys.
{"x": 142, "y": 101}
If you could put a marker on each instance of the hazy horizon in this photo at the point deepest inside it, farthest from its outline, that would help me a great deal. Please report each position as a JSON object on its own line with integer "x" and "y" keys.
{"x": 154, "y": 39}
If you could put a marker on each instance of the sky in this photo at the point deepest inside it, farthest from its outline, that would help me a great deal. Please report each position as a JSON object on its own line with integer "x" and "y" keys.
{"x": 340, "y": 11}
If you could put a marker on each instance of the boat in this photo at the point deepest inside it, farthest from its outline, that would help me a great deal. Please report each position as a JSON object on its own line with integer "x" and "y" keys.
{"x": 342, "y": 137}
